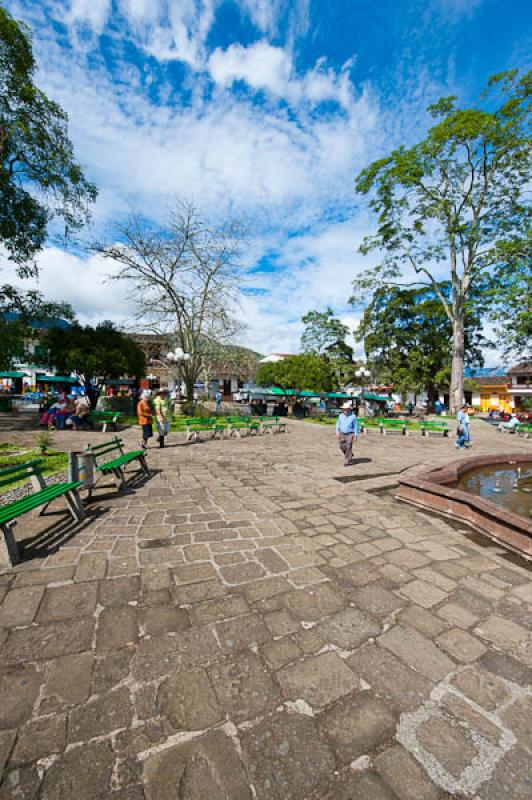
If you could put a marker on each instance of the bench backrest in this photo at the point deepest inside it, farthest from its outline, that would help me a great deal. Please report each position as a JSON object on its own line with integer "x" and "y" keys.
{"x": 100, "y": 450}
{"x": 20, "y": 472}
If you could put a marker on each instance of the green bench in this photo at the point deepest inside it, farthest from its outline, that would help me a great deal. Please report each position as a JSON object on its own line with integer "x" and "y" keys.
{"x": 429, "y": 427}
{"x": 105, "y": 419}
{"x": 41, "y": 497}
{"x": 198, "y": 425}
{"x": 110, "y": 458}
{"x": 272, "y": 425}
{"x": 235, "y": 426}
{"x": 524, "y": 429}
{"x": 393, "y": 426}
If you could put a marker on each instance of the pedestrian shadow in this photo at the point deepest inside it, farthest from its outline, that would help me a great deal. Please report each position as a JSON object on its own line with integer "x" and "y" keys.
{"x": 361, "y": 461}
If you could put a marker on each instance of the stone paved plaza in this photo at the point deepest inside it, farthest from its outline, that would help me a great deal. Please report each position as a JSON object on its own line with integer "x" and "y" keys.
{"x": 244, "y": 625}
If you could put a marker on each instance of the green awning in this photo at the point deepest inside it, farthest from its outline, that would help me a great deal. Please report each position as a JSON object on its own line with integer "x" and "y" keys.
{"x": 339, "y": 395}
{"x": 380, "y": 398}
{"x": 55, "y": 379}
{"x": 13, "y": 375}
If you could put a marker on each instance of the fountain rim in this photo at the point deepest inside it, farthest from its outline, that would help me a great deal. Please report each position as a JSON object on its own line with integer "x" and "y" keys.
{"x": 435, "y": 490}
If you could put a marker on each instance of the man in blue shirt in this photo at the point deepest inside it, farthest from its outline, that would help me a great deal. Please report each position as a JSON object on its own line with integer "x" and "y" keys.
{"x": 346, "y": 431}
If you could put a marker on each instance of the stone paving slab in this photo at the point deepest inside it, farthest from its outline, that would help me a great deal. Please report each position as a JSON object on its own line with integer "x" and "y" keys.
{"x": 243, "y": 625}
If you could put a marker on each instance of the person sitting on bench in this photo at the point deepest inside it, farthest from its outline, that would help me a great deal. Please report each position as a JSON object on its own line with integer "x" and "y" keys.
{"x": 511, "y": 425}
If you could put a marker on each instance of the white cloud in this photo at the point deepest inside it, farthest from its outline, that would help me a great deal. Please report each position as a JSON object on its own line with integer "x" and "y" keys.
{"x": 263, "y": 66}
{"x": 93, "y": 13}
{"x": 260, "y": 65}
{"x": 81, "y": 281}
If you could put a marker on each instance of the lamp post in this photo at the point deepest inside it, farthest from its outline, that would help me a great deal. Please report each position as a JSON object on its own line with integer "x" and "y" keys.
{"x": 178, "y": 357}
{"x": 363, "y": 374}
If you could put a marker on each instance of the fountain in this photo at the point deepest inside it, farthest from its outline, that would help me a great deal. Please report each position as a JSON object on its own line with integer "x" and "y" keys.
{"x": 490, "y": 493}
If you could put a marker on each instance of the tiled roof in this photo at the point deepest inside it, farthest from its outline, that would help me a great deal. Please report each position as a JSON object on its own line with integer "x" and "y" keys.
{"x": 492, "y": 380}
{"x": 524, "y": 366}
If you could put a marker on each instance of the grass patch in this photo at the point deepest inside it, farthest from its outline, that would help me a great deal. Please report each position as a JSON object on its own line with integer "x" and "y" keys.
{"x": 11, "y": 455}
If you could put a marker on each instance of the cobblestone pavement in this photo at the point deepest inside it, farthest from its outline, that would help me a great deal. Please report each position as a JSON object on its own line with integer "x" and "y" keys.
{"x": 243, "y": 625}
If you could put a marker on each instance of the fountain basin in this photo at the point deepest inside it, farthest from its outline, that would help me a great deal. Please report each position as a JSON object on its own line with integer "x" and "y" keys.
{"x": 437, "y": 490}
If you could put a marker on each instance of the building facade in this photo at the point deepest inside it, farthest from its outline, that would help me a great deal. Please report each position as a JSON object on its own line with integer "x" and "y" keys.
{"x": 520, "y": 387}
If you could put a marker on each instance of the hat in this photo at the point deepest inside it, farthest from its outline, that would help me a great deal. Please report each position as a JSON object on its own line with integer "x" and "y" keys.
{"x": 347, "y": 404}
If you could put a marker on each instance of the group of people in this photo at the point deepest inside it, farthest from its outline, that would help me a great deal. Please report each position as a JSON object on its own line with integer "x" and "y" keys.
{"x": 149, "y": 407}
{"x": 347, "y": 431}
{"x": 67, "y": 412}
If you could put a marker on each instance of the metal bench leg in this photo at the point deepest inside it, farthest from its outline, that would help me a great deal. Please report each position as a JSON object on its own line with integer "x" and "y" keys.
{"x": 144, "y": 465}
{"x": 74, "y": 502}
{"x": 104, "y": 427}
{"x": 9, "y": 553}
{"x": 120, "y": 479}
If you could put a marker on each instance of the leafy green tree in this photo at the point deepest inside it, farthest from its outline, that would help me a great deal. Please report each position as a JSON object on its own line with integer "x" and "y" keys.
{"x": 39, "y": 177}
{"x": 94, "y": 354}
{"x": 22, "y": 315}
{"x": 407, "y": 335}
{"x": 325, "y": 335}
{"x": 512, "y": 302}
{"x": 448, "y": 207}
{"x": 304, "y": 372}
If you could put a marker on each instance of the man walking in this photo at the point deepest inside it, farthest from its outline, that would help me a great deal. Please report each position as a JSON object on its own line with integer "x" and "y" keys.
{"x": 346, "y": 431}
{"x": 218, "y": 401}
{"x": 462, "y": 429}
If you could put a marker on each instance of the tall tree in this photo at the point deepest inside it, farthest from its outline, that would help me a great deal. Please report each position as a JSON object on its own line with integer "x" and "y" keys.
{"x": 185, "y": 279}
{"x": 407, "y": 335}
{"x": 94, "y": 354}
{"x": 325, "y": 335}
{"x": 304, "y": 372}
{"x": 22, "y": 316}
{"x": 448, "y": 206}
{"x": 39, "y": 176}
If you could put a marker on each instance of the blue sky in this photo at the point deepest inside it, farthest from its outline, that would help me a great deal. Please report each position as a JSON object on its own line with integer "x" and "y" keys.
{"x": 262, "y": 108}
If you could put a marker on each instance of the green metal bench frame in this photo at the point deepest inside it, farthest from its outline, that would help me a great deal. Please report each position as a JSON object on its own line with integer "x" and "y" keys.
{"x": 198, "y": 425}
{"x": 432, "y": 426}
{"x": 238, "y": 424}
{"x": 272, "y": 424}
{"x": 393, "y": 426}
{"x": 116, "y": 466}
{"x": 41, "y": 497}
{"x": 106, "y": 418}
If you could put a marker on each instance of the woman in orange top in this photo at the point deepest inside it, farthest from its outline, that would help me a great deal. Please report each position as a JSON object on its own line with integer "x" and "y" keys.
{"x": 144, "y": 415}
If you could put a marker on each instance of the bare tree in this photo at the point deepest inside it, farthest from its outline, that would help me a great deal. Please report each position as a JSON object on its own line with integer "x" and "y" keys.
{"x": 185, "y": 279}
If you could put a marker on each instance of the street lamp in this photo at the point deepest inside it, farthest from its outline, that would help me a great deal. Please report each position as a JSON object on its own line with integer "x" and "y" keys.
{"x": 178, "y": 357}
{"x": 363, "y": 374}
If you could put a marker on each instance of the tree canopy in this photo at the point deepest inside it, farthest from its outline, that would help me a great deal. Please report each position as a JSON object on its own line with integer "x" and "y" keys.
{"x": 453, "y": 207}
{"x": 511, "y": 302}
{"x": 94, "y": 353}
{"x": 39, "y": 176}
{"x": 22, "y": 315}
{"x": 304, "y": 372}
{"x": 325, "y": 335}
{"x": 406, "y": 336}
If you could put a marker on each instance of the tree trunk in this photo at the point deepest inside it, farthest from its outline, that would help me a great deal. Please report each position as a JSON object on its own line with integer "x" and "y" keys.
{"x": 431, "y": 396}
{"x": 456, "y": 395}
